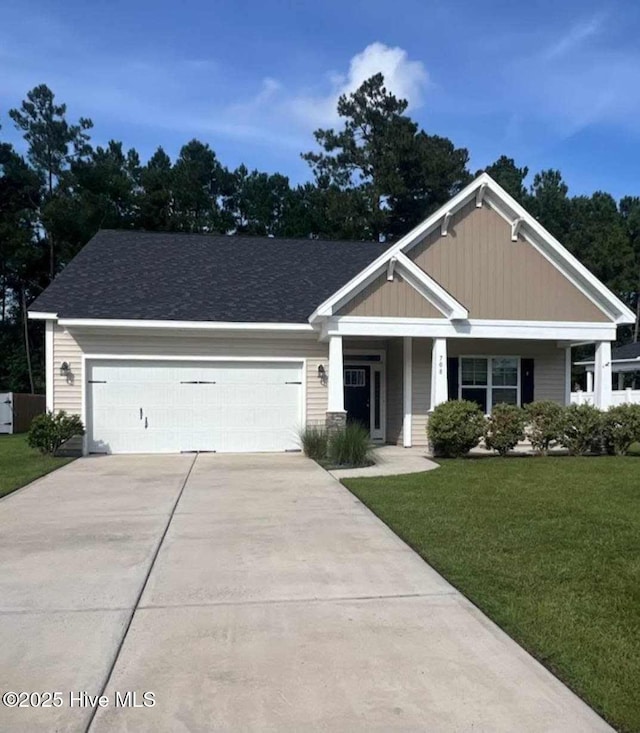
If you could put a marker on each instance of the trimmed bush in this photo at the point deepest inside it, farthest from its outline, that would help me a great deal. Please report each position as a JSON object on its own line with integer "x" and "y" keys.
{"x": 621, "y": 428}
{"x": 51, "y": 430}
{"x": 350, "y": 446}
{"x": 315, "y": 442}
{"x": 504, "y": 428}
{"x": 543, "y": 425}
{"x": 582, "y": 429}
{"x": 454, "y": 428}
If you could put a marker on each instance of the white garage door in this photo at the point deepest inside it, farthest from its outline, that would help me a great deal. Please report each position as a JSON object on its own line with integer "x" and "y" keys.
{"x": 168, "y": 407}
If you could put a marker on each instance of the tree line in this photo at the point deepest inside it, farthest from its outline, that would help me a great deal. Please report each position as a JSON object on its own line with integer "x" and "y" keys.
{"x": 373, "y": 178}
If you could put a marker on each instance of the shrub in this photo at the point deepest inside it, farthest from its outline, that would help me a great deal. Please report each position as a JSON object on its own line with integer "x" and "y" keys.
{"x": 50, "y": 430}
{"x": 581, "y": 429}
{"x": 454, "y": 428}
{"x": 315, "y": 442}
{"x": 543, "y": 424}
{"x": 621, "y": 428}
{"x": 350, "y": 446}
{"x": 504, "y": 428}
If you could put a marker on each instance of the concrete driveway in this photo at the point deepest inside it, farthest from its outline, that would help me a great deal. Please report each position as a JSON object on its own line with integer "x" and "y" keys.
{"x": 247, "y": 592}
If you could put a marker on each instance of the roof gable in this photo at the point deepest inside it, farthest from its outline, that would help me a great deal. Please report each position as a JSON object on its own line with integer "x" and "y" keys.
{"x": 496, "y": 278}
{"x": 485, "y": 192}
{"x": 396, "y": 297}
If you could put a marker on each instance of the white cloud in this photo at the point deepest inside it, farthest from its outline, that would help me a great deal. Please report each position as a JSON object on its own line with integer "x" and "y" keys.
{"x": 194, "y": 96}
{"x": 403, "y": 77}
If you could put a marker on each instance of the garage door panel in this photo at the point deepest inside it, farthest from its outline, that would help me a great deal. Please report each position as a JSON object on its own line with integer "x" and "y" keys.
{"x": 221, "y": 406}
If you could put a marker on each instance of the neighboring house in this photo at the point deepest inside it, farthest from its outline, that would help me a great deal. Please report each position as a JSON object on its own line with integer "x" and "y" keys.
{"x": 178, "y": 342}
{"x": 625, "y": 364}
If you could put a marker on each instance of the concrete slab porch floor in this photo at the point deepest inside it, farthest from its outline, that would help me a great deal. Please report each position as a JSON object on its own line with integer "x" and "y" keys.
{"x": 248, "y": 592}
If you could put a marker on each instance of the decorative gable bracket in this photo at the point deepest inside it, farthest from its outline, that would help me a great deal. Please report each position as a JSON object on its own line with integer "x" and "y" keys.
{"x": 480, "y": 194}
{"x": 515, "y": 228}
{"x": 444, "y": 227}
{"x": 390, "y": 268}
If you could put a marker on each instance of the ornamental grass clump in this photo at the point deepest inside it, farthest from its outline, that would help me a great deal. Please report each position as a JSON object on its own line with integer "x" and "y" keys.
{"x": 315, "y": 442}
{"x": 454, "y": 428}
{"x": 350, "y": 446}
{"x": 504, "y": 428}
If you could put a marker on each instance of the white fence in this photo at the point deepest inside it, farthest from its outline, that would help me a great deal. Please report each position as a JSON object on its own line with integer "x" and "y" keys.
{"x": 6, "y": 412}
{"x": 618, "y": 397}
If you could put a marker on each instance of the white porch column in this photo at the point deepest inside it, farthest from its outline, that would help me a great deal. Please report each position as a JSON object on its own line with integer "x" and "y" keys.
{"x": 439, "y": 383}
{"x": 602, "y": 375}
{"x": 407, "y": 391}
{"x": 567, "y": 376}
{"x": 589, "y": 381}
{"x": 336, "y": 375}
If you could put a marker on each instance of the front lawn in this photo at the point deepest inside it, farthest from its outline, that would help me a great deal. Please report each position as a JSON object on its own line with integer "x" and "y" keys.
{"x": 549, "y": 548}
{"x": 20, "y": 464}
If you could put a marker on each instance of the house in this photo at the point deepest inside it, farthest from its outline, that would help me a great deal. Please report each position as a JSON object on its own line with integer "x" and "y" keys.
{"x": 178, "y": 342}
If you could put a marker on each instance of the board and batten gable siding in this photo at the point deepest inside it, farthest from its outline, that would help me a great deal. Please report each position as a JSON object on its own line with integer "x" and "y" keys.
{"x": 70, "y": 347}
{"x": 394, "y": 298}
{"x": 496, "y": 278}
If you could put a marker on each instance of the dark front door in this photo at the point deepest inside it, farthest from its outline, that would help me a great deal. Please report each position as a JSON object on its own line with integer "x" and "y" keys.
{"x": 357, "y": 394}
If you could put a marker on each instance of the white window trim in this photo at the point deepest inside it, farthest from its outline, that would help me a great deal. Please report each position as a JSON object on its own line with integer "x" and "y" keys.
{"x": 489, "y": 386}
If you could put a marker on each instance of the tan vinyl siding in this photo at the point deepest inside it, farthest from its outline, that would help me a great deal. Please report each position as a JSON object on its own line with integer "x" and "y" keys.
{"x": 390, "y": 298}
{"x": 394, "y": 391}
{"x": 67, "y": 391}
{"x": 495, "y": 278}
{"x": 548, "y": 361}
{"x": 421, "y": 378}
{"x": 69, "y": 348}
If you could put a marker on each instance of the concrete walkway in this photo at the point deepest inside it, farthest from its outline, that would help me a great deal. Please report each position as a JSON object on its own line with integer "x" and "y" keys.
{"x": 247, "y": 593}
{"x": 391, "y": 460}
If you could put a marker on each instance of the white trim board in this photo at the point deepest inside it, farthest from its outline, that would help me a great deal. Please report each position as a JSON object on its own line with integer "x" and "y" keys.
{"x": 472, "y": 328}
{"x": 191, "y": 325}
{"x": 49, "y": 364}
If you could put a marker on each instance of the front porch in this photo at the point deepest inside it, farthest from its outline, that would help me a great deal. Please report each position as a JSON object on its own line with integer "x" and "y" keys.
{"x": 390, "y": 385}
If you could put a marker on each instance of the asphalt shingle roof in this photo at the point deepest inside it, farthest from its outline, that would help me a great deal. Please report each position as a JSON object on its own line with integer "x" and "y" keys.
{"x": 199, "y": 277}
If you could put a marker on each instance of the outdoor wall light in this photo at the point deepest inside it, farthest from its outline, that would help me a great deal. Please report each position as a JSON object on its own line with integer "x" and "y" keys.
{"x": 321, "y": 371}
{"x": 65, "y": 368}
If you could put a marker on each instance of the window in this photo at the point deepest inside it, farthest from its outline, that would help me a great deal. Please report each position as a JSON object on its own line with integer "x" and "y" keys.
{"x": 490, "y": 381}
{"x": 354, "y": 378}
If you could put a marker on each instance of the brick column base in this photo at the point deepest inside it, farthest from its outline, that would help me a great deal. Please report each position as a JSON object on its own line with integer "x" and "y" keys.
{"x": 336, "y": 421}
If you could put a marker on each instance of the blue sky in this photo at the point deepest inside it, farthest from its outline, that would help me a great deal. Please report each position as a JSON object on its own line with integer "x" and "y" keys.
{"x": 550, "y": 83}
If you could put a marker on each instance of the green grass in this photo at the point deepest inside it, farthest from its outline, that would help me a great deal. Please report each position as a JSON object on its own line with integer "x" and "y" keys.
{"x": 549, "y": 548}
{"x": 20, "y": 464}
